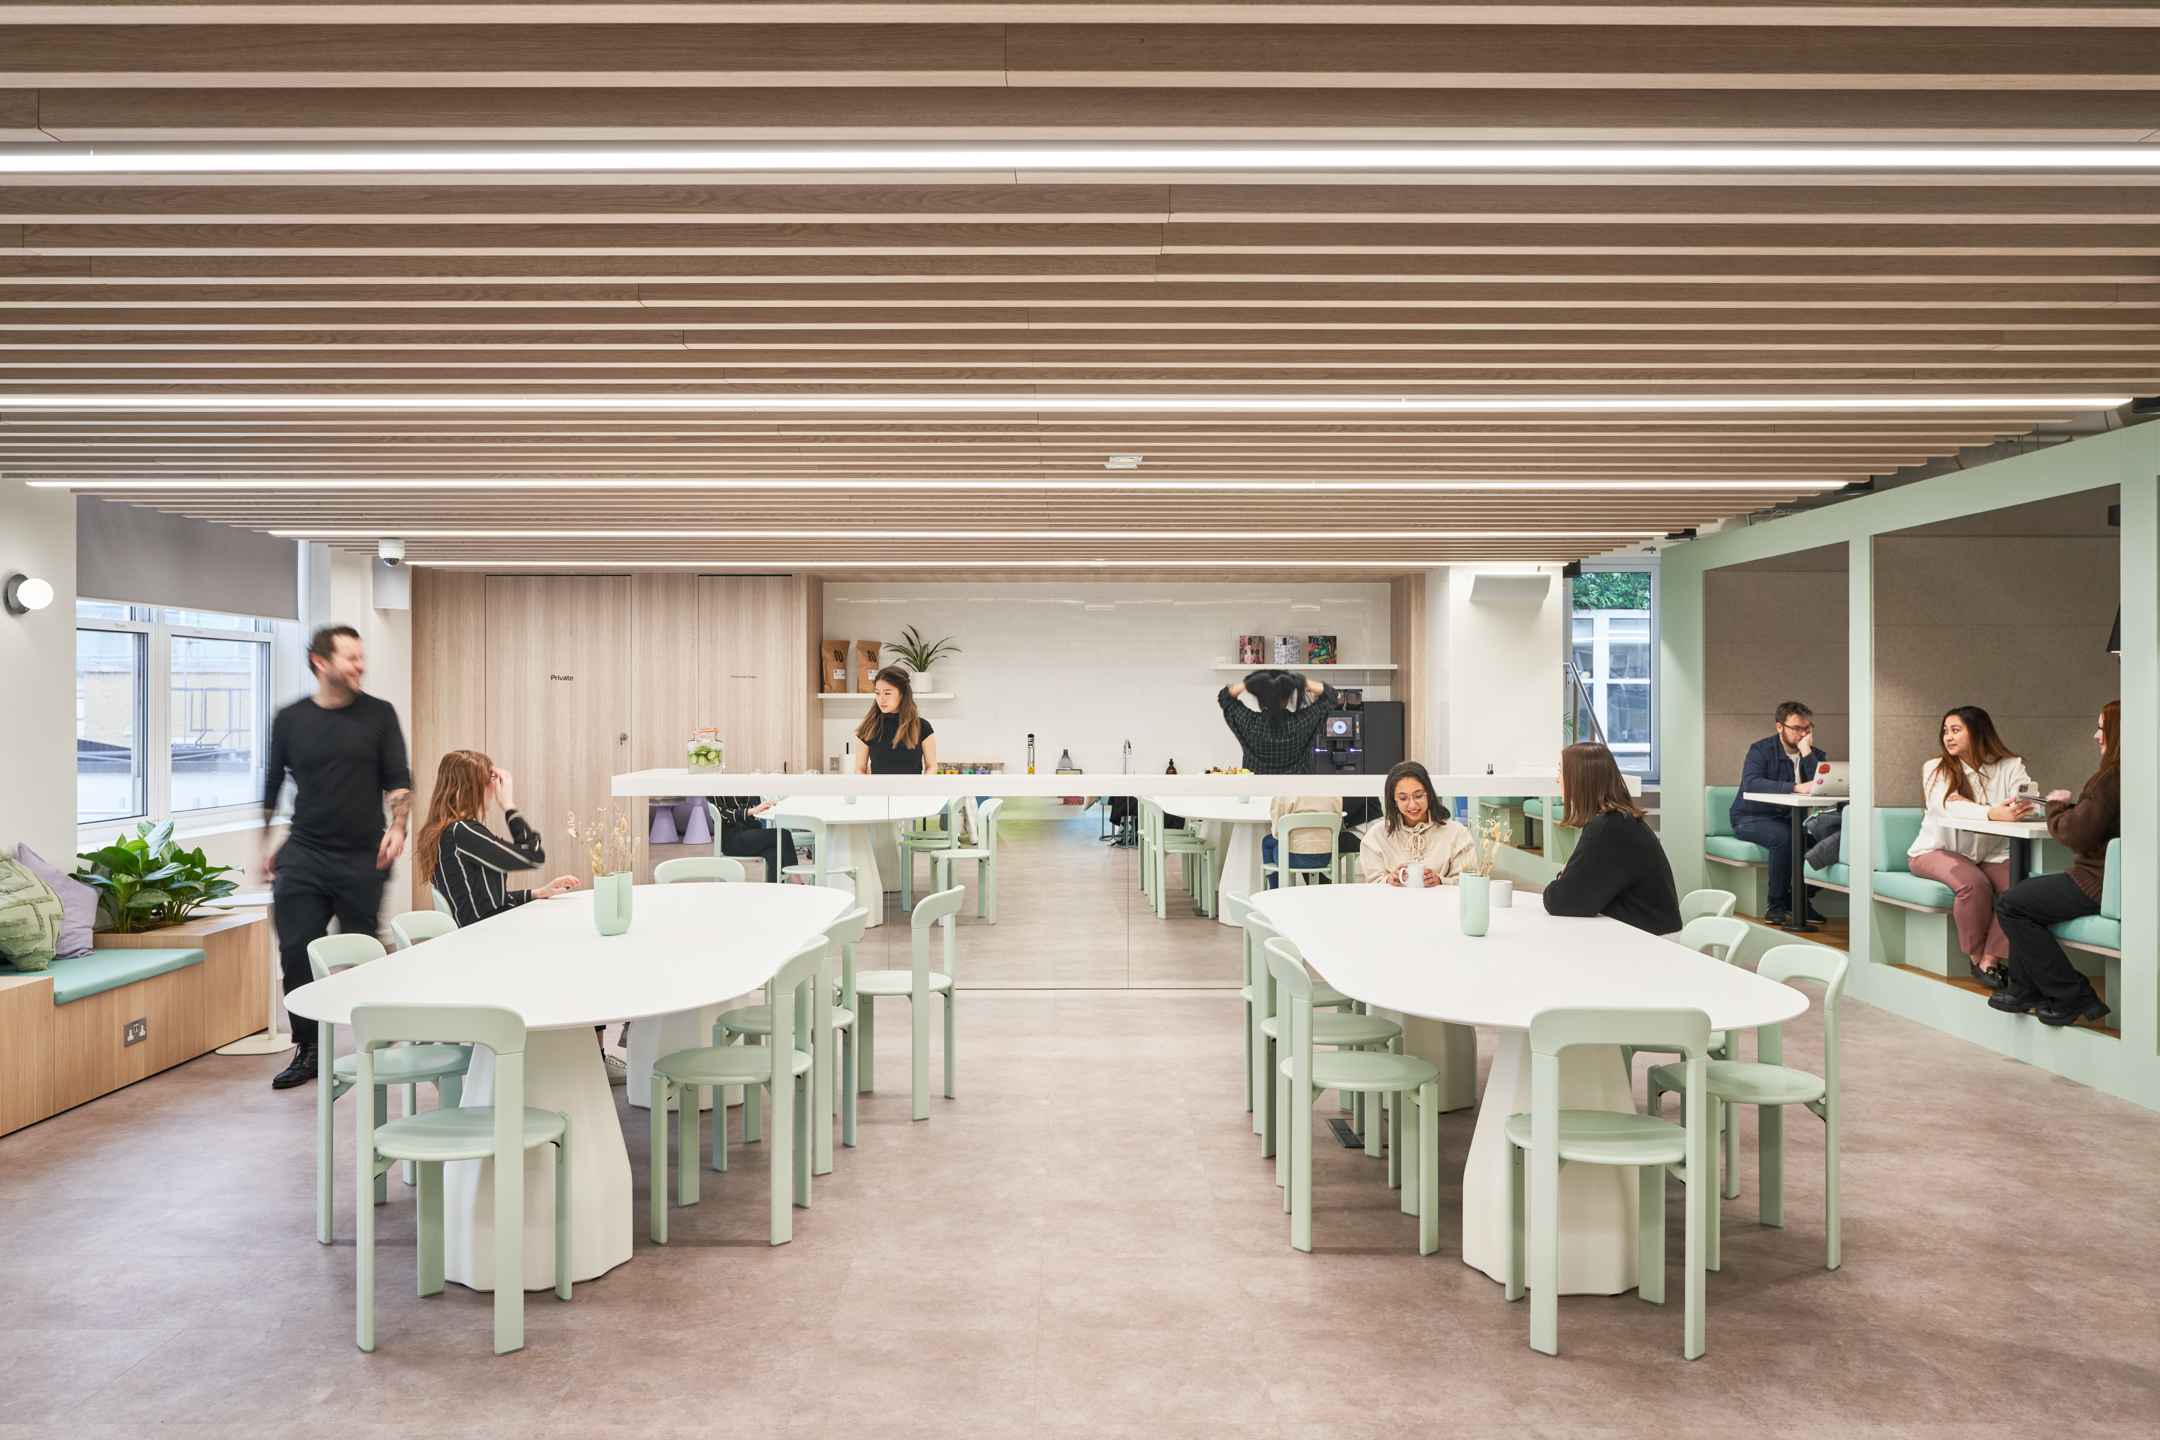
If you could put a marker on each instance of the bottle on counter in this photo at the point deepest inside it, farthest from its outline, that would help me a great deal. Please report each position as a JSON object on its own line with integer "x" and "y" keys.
{"x": 1171, "y": 768}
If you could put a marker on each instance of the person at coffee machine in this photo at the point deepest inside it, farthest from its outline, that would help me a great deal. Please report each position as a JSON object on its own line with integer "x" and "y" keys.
{"x": 1276, "y": 739}
{"x": 1416, "y": 842}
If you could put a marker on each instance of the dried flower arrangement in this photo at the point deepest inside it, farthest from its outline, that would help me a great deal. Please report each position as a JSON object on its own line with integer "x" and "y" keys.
{"x": 610, "y": 848}
{"x": 1485, "y": 843}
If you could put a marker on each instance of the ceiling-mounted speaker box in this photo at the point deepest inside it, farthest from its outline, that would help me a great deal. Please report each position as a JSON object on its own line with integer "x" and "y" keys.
{"x": 1509, "y": 589}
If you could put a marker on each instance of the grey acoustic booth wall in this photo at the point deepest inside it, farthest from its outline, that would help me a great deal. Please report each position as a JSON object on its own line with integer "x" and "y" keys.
{"x": 1774, "y": 630}
{"x": 2008, "y": 610}
{"x": 146, "y": 557}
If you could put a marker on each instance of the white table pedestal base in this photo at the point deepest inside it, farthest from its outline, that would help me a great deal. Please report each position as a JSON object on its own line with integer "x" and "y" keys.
{"x": 1597, "y": 1202}
{"x": 563, "y": 1071}
{"x": 1240, "y": 862}
{"x": 665, "y": 1034}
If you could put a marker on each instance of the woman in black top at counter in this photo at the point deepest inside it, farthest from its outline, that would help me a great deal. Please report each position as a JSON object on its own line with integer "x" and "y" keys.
{"x": 894, "y": 738}
{"x": 1619, "y": 866}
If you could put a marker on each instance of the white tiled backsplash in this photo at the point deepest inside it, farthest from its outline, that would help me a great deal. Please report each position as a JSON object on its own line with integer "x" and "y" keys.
{"x": 1088, "y": 666}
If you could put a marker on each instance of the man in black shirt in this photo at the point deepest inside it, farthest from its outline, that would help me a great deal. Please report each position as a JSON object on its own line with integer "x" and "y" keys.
{"x": 1276, "y": 739}
{"x": 346, "y": 754}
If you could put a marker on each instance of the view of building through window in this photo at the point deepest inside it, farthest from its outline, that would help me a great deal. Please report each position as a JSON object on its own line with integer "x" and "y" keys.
{"x": 1612, "y": 645}
{"x": 109, "y": 694}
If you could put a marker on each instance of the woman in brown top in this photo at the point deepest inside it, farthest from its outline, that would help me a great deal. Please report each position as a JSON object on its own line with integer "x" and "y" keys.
{"x": 2042, "y": 979}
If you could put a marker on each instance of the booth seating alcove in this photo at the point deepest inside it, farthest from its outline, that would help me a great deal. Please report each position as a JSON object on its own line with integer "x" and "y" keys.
{"x": 63, "y": 1030}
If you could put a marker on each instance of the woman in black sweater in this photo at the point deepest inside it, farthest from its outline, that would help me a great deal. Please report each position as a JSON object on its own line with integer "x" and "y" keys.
{"x": 1619, "y": 866}
{"x": 468, "y": 863}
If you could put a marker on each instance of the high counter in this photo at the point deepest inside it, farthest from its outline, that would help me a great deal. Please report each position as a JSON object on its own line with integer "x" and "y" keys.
{"x": 683, "y": 782}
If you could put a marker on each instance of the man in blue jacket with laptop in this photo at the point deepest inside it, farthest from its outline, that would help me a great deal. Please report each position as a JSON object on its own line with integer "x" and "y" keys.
{"x": 1781, "y": 764}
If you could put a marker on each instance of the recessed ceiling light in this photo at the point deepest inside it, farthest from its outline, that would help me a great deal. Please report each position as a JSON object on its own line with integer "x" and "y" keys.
{"x": 1123, "y": 462}
{"x": 1287, "y": 404}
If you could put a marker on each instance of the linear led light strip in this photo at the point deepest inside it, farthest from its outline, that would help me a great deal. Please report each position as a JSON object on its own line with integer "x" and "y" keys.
{"x": 255, "y": 159}
{"x": 1177, "y": 562}
{"x": 1321, "y": 487}
{"x": 954, "y": 535}
{"x": 1406, "y": 404}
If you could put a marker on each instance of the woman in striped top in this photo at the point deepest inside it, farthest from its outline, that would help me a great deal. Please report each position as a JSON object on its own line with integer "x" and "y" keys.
{"x": 468, "y": 862}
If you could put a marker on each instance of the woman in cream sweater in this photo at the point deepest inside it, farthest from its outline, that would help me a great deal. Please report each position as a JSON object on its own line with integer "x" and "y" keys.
{"x": 1416, "y": 836}
{"x": 1974, "y": 778}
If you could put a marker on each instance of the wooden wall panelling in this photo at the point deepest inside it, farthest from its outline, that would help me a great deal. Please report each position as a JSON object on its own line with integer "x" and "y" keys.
{"x": 559, "y": 682}
{"x": 810, "y": 622}
{"x": 1406, "y": 649}
{"x": 26, "y": 1050}
{"x": 746, "y": 641}
{"x": 673, "y": 692}
{"x": 449, "y": 682}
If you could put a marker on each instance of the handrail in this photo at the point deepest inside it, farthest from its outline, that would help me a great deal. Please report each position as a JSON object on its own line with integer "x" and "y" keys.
{"x": 1580, "y": 699}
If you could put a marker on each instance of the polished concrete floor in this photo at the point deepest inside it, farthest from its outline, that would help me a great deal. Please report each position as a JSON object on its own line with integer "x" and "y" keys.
{"x": 1086, "y": 1244}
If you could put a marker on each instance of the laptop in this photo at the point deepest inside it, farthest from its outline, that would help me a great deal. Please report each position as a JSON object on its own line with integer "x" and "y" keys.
{"x": 1832, "y": 781}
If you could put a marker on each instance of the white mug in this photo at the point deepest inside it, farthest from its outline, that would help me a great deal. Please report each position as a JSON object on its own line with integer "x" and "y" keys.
{"x": 1416, "y": 877}
{"x": 1503, "y": 894}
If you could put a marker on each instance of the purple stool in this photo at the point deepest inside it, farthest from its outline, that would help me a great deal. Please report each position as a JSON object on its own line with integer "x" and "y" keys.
{"x": 663, "y": 824}
{"x": 696, "y": 831}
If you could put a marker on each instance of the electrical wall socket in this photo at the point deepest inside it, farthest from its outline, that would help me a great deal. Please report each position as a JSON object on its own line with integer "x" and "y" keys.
{"x": 137, "y": 1031}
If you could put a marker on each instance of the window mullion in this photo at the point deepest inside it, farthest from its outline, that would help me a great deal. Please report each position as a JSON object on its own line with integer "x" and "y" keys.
{"x": 157, "y": 744}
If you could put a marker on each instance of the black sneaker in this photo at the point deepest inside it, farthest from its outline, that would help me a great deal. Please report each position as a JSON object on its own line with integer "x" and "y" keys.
{"x": 2090, "y": 1008}
{"x": 2012, "y": 1004}
{"x": 1777, "y": 915}
{"x": 1816, "y": 917}
{"x": 299, "y": 1072}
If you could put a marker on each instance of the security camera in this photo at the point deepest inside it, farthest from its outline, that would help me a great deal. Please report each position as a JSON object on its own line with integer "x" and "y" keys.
{"x": 390, "y": 550}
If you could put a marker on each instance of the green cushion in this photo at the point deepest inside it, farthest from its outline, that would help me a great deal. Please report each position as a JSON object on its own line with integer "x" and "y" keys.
{"x": 1534, "y": 806}
{"x": 1911, "y": 888}
{"x": 1838, "y": 874}
{"x": 1733, "y": 848}
{"x": 2111, "y": 884}
{"x": 2091, "y": 930}
{"x": 103, "y": 970}
{"x": 1896, "y": 827}
{"x": 1717, "y": 810}
{"x": 30, "y": 915}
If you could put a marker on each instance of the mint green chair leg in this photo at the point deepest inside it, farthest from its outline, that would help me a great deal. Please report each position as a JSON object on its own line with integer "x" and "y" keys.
{"x": 866, "y": 1056}
{"x": 657, "y": 1226}
{"x": 1428, "y": 1168}
{"x": 325, "y": 1128}
{"x": 1729, "y": 1137}
{"x": 428, "y": 1212}
{"x": 919, "y": 1018}
{"x": 719, "y": 1133}
{"x": 1650, "y": 1234}
{"x": 1770, "y": 1163}
{"x": 753, "y": 1107}
{"x": 562, "y": 1205}
{"x": 382, "y": 1118}
{"x": 1516, "y": 1226}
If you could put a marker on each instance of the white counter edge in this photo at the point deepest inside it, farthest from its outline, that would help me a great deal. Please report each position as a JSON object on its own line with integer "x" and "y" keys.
{"x": 682, "y": 782}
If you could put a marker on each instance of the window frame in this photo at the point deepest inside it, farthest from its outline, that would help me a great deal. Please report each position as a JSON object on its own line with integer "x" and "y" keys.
{"x": 1643, "y": 565}
{"x": 155, "y": 709}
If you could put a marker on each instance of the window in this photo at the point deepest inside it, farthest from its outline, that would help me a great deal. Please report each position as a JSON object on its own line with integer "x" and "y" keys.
{"x": 1613, "y": 647}
{"x": 171, "y": 711}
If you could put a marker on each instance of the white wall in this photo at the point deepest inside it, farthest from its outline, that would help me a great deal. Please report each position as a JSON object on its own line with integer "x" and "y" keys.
{"x": 37, "y": 675}
{"x": 1492, "y": 673}
{"x": 1086, "y": 666}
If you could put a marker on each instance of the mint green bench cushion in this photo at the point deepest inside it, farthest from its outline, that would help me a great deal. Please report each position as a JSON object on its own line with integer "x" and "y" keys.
{"x": 2090, "y": 930}
{"x": 1731, "y": 847}
{"x": 1717, "y": 812}
{"x": 2111, "y": 884}
{"x": 1896, "y": 827}
{"x": 1535, "y": 805}
{"x": 1911, "y": 888}
{"x": 103, "y": 970}
{"x": 1837, "y": 872}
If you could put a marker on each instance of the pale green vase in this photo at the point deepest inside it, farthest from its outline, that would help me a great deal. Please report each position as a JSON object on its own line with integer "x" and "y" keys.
{"x": 1476, "y": 904}
{"x": 611, "y": 903}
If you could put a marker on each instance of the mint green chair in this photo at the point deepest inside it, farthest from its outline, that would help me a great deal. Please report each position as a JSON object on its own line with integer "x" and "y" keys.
{"x": 1771, "y": 1084}
{"x": 750, "y": 1066}
{"x": 1720, "y": 937}
{"x": 1237, "y": 908}
{"x": 1196, "y": 860}
{"x": 820, "y": 864}
{"x": 1280, "y": 869}
{"x": 1698, "y": 903}
{"x": 1549, "y": 1137}
{"x": 984, "y": 854}
{"x": 918, "y": 984}
{"x": 405, "y": 1067}
{"x": 750, "y": 1023}
{"x": 415, "y": 926}
{"x": 441, "y": 904}
{"x": 722, "y": 869}
{"x": 1345, "y": 1029}
{"x": 1413, "y": 1154}
{"x": 942, "y": 835}
{"x": 502, "y": 1132}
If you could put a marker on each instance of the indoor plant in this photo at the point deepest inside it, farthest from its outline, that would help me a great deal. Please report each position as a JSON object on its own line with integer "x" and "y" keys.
{"x": 146, "y": 880}
{"x": 919, "y": 654}
{"x": 611, "y": 849}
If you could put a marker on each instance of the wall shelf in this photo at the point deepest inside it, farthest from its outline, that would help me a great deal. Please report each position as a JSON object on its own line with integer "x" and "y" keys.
{"x": 1266, "y": 665}
{"x": 858, "y": 695}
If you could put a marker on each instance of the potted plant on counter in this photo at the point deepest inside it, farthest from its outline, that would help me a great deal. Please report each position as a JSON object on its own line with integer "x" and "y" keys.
{"x": 919, "y": 655}
{"x": 146, "y": 881}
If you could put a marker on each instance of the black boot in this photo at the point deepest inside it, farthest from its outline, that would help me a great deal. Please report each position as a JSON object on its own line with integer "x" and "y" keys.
{"x": 299, "y": 1072}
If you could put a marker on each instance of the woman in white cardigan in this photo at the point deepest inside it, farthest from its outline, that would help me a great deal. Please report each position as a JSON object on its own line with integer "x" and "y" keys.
{"x": 1975, "y": 778}
{"x": 1418, "y": 843}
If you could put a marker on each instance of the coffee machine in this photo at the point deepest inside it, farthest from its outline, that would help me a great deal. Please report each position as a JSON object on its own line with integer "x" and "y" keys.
{"x": 1365, "y": 739}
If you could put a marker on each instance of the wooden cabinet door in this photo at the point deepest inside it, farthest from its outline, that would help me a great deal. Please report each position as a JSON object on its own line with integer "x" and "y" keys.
{"x": 559, "y": 699}
{"x": 757, "y": 671}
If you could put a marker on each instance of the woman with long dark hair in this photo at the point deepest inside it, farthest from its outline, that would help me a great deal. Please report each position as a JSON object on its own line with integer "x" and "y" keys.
{"x": 468, "y": 863}
{"x": 1976, "y": 777}
{"x": 893, "y": 738}
{"x": 1619, "y": 866}
{"x": 1276, "y": 739}
{"x": 1417, "y": 838}
{"x": 2042, "y": 980}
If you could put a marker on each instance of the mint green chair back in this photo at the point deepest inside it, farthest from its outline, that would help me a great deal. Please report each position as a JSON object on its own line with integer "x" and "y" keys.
{"x": 1283, "y": 829}
{"x": 1555, "y": 1137}
{"x": 836, "y": 1065}
{"x": 943, "y": 835}
{"x": 1718, "y": 936}
{"x": 1717, "y": 808}
{"x": 341, "y": 952}
{"x": 983, "y": 853}
{"x": 415, "y": 926}
{"x": 722, "y": 869}
{"x": 1896, "y": 827}
{"x": 1697, "y": 903}
{"x": 440, "y": 903}
{"x": 919, "y": 984}
{"x": 820, "y": 868}
{"x": 503, "y": 1131}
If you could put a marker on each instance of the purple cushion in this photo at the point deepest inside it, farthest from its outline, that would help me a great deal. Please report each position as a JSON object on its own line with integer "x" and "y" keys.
{"x": 78, "y": 904}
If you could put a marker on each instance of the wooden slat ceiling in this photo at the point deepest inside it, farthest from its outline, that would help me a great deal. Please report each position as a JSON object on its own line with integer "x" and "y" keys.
{"x": 277, "y": 350}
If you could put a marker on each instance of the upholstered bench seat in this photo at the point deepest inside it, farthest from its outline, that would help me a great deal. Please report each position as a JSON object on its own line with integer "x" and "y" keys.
{"x": 103, "y": 970}
{"x": 1912, "y": 889}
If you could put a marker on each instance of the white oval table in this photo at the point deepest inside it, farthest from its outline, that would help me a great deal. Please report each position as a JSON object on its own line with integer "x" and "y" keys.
{"x": 1248, "y": 820}
{"x": 858, "y": 833}
{"x": 1405, "y": 950}
{"x": 688, "y": 946}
